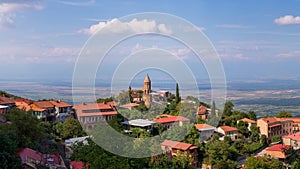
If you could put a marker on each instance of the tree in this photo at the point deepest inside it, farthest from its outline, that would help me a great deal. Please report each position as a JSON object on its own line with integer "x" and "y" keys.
{"x": 72, "y": 128}
{"x": 263, "y": 139}
{"x": 254, "y": 133}
{"x": 228, "y": 107}
{"x": 177, "y": 97}
{"x": 252, "y": 115}
{"x": 243, "y": 128}
{"x": 103, "y": 100}
{"x": 27, "y": 128}
{"x": 283, "y": 114}
{"x": 8, "y": 148}
{"x": 264, "y": 162}
{"x": 276, "y": 139}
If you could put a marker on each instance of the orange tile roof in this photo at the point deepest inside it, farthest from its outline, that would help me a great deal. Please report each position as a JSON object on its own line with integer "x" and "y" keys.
{"x": 269, "y": 120}
{"x": 203, "y": 126}
{"x": 279, "y": 147}
{"x": 177, "y": 145}
{"x": 35, "y": 108}
{"x": 59, "y": 103}
{"x": 43, "y": 104}
{"x": 295, "y": 136}
{"x": 246, "y": 120}
{"x": 94, "y": 109}
{"x": 170, "y": 119}
{"x": 23, "y": 105}
{"x": 202, "y": 110}
{"x": 294, "y": 119}
{"x": 228, "y": 128}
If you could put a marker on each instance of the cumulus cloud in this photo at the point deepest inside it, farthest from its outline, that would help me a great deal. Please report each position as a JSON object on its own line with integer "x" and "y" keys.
{"x": 288, "y": 20}
{"x": 9, "y": 9}
{"x": 135, "y": 26}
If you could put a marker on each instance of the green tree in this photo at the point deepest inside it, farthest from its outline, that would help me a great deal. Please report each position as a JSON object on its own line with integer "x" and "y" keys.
{"x": 276, "y": 139}
{"x": 27, "y": 128}
{"x": 177, "y": 96}
{"x": 243, "y": 128}
{"x": 228, "y": 107}
{"x": 72, "y": 128}
{"x": 283, "y": 114}
{"x": 103, "y": 100}
{"x": 264, "y": 162}
{"x": 252, "y": 115}
{"x": 263, "y": 139}
{"x": 254, "y": 133}
{"x": 8, "y": 148}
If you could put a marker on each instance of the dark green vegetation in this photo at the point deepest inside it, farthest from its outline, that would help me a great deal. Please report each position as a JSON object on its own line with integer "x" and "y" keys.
{"x": 25, "y": 131}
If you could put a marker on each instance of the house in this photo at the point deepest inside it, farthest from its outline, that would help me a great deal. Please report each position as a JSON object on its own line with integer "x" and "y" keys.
{"x": 62, "y": 109}
{"x": 78, "y": 165}
{"x": 33, "y": 159}
{"x": 23, "y": 104}
{"x": 168, "y": 121}
{"x": 4, "y": 101}
{"x": 129, "y": 106}
{"x": 43, "y": 109}
{"x": 203, "y": 112}
{"x": 248, "y": 121}
{"x": 175, "y": 148}
{"x": 73, "y": 141}
{"x": 92, "y": 114}
{"x": 231, "y": 132}
{"x": 4, "y": 109}
{"x": 274, "y": 127}
{"x": 205, "y": 130}
{"x": 292, "y": 140}
{"x": 296, "y": 123}
{"x": 279, "y": 151}
{"x": 139, "y": 123}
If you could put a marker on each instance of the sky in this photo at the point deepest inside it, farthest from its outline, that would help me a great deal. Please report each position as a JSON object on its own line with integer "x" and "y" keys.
{"x": 255, "y": 39}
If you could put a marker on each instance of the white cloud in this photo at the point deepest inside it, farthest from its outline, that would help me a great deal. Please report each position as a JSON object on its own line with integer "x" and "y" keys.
{"x": 287, "y": 20}
{"x": 182, "y": 53}
{"x": 135, "y": 26}
{"x": 289, "y": 54}
{"x": 232, "y": 26}
{"x": 37, "y": 54}
{"x": 236, "y": 56}
{"x": 76, "y": 3}
{"x": 9, "y": 9}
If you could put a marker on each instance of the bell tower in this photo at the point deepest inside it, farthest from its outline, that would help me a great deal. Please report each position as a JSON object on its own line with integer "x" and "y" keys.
{"x": 146, "y": 91}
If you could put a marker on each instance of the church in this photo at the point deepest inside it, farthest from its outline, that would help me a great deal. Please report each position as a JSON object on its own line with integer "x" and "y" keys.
{"x": 142, "y": 96}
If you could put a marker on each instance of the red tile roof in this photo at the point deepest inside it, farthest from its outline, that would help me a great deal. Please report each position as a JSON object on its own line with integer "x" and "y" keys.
{"x": 295, "y": 136}
{"x": 228, "y": 128}
{"x": 39, "y": 157}
{"x": 59, "y": 103}
{"x": 279, "y": 147}
{"x": 94, "y": 109}
{"x": 246, "y": 120}
{"x": 23, "y": 105}
{"x": 203, "y": 126}
{"x": 5, "y": 100}
{"x": 78, "y": 165}
{"x": 178, "y": 145}
{"x": 170, "y": 119}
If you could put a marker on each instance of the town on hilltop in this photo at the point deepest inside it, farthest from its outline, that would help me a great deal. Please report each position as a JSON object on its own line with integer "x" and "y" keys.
{"x": 54, "y": 134}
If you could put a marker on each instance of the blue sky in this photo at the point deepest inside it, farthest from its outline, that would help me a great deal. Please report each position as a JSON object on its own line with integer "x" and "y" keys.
{"x": 256, "y": 39}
